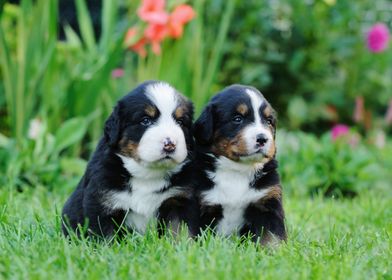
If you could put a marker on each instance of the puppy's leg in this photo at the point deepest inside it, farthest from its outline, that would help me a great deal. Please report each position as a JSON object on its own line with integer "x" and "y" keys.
{"x": 106, "y": 225}
{"x": 102, "y": 221}
{"x": 72, "y": 214}
{"x": 176, "y": 211}
{"x": 265, "y": 221}
{"x": 210, "y": 215}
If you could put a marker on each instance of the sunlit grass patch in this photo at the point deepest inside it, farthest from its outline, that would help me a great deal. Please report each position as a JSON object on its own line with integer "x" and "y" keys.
{"x": 336, "y": 239}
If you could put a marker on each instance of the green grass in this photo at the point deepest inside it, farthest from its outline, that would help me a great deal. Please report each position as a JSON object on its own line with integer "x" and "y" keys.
{"x": 328, "y": 239}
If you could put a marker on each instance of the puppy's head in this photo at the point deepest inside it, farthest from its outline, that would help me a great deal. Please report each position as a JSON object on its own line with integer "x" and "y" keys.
{"x": 238, "y": 123}
{"x": 151, "y": 125}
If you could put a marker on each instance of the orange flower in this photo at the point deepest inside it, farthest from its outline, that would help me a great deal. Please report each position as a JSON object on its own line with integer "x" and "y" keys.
{"x": 134, "y": 43}
{"x": 178, "y": 18}
{"x": 159, "y": 25}
{"x": 153, "y": 11}
{"x": 155, "y": 33}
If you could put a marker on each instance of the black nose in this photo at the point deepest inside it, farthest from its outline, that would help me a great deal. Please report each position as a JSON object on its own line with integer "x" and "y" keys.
{"x": 261, "y": 139}
{"x": 168, "y": 146}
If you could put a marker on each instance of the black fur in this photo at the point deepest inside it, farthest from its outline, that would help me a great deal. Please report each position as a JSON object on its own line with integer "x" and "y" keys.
{"x": 260, "y": 217}
{"x": 105, "y": 172}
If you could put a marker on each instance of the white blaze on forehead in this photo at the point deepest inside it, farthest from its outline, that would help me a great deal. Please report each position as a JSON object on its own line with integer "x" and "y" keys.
{"x": 256, "y": 102}
{"x": 164, "y": 97}
{"x": 257, "y": 127}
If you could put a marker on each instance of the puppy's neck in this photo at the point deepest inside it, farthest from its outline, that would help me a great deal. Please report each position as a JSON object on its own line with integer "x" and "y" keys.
{"x": 145, "y": 172}
{"x": 245, "y": 168}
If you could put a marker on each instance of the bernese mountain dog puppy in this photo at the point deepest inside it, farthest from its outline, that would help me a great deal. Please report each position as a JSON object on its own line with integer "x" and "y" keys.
{"x": 134, "y": 176}
{"x": 238, "y": 184}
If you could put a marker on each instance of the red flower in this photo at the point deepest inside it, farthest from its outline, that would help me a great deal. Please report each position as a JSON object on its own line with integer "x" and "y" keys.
{"x": 180, "y": 16}
{"x": 153, "y": 11}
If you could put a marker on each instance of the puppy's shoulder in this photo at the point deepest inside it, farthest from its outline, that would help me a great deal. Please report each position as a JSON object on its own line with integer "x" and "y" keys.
{"x": 268, "y": 176}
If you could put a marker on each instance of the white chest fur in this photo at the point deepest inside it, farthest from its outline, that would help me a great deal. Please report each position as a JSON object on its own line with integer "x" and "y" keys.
{"x": 233, "y": 192}
{"x": 143, "y": 198}
{"x": 141, "y": 202}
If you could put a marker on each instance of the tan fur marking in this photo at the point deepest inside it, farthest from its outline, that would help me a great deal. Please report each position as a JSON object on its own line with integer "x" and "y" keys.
{"x": 150, "y": 111}
{"x": 230, "y": 148}
{"x": 242, "y": 109}
{"x": 180, "y": 112}
{"x": 128, "y": 148}
{"x": 268, "y": 111}
{"x": 274, "y": 192}
{"x": 272, "y": 150}
{"x": 268, "y": 239}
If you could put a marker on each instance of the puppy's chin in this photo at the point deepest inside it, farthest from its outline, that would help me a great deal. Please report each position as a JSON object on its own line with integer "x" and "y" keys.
{"x": 163, "y": 164}
{"x": 253, "y": 158}
{"x": 257, "y": 160}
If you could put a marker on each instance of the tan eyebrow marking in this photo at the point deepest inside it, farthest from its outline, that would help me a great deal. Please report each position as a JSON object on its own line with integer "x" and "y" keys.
{"x": 242, "y": 109}
{"x": 180, "y": 112}
{"x": 268, "y": 111}
{"x": 150, "y": 111}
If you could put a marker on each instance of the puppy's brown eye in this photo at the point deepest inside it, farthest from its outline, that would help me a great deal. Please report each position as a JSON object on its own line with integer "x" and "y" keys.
{"x": 146, "y": 121}
{"x": 238, "y": 119}
{"x": 270, "y": 121}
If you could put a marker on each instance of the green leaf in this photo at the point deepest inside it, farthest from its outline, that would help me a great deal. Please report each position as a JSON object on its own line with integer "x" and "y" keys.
{"x": 4, "y": 140}
{"x": 108, "y": 20}
{"x": 72, "y": 36}
{"x": 85, "y": 25}
{"x": 70, "y": 133}
{"x": 74, "y": 166}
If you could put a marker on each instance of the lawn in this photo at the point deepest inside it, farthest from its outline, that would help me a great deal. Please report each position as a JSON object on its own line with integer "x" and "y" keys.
{"x": 328, "y": 239}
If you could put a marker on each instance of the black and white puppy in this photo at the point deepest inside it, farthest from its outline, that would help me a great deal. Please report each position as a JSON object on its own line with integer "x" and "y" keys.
{"x": 239, "y": 187}
{"x": 134, "y": 176}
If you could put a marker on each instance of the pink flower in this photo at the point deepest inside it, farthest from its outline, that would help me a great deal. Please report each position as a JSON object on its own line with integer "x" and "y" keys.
{"x": 378, "y": 37}
{"x": 339, "y": 130}
{"x": 178, "y": 18}
{"x": 153, "y": 11}
{"x": 388, "y": 115}
{"x": 117, "y": 73}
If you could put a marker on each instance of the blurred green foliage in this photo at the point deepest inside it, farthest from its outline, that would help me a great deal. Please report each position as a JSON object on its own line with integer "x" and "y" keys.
{"x": 309, "y": 56}
{"x": 311, "y": 165}
{"x": 40, "y": 161}
{"x": 69, "y": 83}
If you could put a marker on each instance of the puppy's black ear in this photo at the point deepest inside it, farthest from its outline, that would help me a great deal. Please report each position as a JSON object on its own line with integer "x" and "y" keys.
{"x": 203, "y": 129}
{"x": 113, "y": 127}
